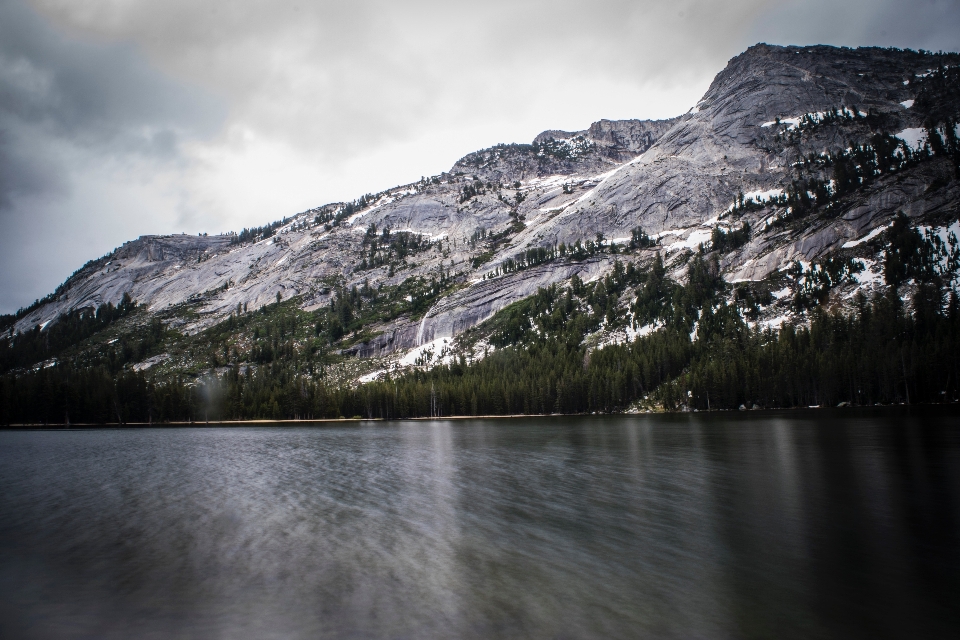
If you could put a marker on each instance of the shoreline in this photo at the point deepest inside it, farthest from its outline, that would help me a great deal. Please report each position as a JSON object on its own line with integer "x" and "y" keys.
{"x": 292, "y": 422}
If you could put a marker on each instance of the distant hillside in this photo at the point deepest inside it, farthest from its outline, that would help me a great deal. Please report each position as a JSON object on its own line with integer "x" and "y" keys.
{"x": 810, "y": 189}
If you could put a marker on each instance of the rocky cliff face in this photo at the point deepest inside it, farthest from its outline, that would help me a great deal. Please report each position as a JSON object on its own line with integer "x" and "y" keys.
{"x": 605, "y": 145}
{"x": 774, "y": 125}
{"x": 722, "y": 147}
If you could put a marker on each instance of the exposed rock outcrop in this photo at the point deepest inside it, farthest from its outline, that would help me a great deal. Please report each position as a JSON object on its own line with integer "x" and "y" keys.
{"x": 675, "y": 179}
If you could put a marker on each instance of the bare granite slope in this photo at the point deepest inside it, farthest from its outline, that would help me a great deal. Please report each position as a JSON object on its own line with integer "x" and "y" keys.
{"x": 719, "y": 148}
{"x": 675, "y": 179}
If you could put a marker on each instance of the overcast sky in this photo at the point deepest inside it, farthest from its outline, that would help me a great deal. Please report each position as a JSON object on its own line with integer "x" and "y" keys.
{"x": 127, "y": 117}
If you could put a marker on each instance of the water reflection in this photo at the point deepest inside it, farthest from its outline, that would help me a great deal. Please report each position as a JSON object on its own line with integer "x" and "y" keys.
{"x": 789, "y": 525}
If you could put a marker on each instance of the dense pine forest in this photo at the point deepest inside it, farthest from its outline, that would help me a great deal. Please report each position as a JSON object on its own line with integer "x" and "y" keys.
{"x": 699, "y": 349}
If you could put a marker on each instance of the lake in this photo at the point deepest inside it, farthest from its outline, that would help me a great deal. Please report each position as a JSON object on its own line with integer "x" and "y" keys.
{"x": 826, "y": 524}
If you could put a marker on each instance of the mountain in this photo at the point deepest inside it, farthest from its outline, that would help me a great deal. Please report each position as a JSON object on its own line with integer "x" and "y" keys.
{"x": 788, "y": 176}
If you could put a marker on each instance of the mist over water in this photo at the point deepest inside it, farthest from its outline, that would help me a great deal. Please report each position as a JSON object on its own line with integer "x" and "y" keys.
{"x": 791, "y": 525}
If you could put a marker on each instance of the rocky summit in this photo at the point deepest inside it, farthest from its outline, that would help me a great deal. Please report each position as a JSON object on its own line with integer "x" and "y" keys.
{"x": 789, "y": 175}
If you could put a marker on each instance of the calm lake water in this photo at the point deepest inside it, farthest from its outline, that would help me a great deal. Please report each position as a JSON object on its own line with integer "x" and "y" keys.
{"x": 794, "y": 525}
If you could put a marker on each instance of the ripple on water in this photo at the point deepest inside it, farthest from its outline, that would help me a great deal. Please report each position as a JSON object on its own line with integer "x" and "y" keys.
{"x": 776, "y": 525}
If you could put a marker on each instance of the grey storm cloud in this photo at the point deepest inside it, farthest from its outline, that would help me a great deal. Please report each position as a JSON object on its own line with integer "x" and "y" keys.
{"x": 336, "y": 78}
{"x": 122, "y": 117}
{"x": 341, "y": 76}
{"x": 933, "y": 25}
{"x": 103, "y": 97}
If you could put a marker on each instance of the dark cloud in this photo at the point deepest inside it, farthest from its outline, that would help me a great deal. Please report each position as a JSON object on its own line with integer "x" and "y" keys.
{"x": 102, "y": 97}
{"x": 92, "y": 92}
{"x": 338, "y": 77}
{"x": 25, "y": 172}
{"x": 933, "y": 25}
{"x": 66, "y": 104}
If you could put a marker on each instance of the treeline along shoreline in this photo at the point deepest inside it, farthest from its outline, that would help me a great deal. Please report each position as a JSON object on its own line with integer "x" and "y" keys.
{"x": 704, "y": 354}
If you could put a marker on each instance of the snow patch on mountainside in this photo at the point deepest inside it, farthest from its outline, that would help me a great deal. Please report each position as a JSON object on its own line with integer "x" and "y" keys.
{"x": 815, "y": 117}
{"x": 435, "y": 352}
{"x": 627, "y": 334}
{"x": 693, "y": 241}
{"x": 870, "y": 276}
{"x": 914, "y": 137}
{"x": 870, "y": 236}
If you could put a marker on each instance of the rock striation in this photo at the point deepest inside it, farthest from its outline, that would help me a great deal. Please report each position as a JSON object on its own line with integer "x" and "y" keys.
{"x": 676, "y": 180}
